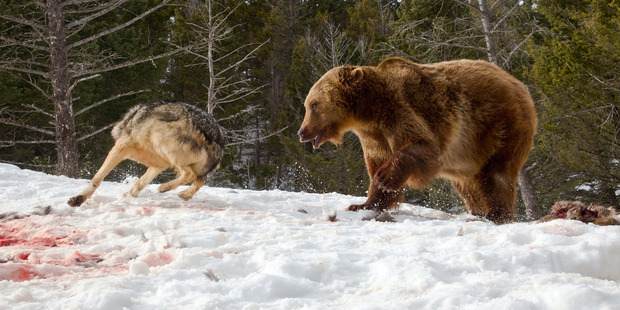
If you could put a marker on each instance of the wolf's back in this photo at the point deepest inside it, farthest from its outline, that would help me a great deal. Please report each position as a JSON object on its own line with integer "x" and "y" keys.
{"x": 206, "y": 124}
{"x": 170, "y": 112}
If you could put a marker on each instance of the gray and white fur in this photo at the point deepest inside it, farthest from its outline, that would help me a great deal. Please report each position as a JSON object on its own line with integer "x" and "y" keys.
{"x": 160, "y": 136}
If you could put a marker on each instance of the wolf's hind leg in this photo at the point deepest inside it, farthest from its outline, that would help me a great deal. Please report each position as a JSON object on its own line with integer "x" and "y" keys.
{"x": 190, "y": 191}
{"x": 144, "y": 180}
{"x": 184, "y": 176}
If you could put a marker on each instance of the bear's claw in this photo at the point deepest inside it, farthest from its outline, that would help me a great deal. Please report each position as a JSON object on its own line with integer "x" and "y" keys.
{"x": 354, "y": 208}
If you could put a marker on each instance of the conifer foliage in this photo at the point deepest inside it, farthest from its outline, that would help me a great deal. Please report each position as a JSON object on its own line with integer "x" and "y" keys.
{"x": 69, "y": 68}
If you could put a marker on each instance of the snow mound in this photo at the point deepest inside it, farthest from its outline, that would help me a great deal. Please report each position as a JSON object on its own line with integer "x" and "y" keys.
{"x": 242, "y": 249}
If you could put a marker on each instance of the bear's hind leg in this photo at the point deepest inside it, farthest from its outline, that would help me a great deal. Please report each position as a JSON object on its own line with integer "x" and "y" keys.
{"x": 490, "y": 195}
{"x": 501, "y": 195}
{"x": 472, "y": 195}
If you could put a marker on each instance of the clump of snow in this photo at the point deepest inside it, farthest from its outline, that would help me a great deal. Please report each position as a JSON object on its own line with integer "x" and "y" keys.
{"x": 139, "y": 267}
{"x": 241, "y": 249}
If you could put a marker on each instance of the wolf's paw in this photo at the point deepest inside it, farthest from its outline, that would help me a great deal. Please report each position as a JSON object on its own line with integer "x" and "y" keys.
{"x": 131, "y": 193}
{"x": 76, "y": 201}
{"x": 186, "y": 195}
{"x": 163, "y": 188}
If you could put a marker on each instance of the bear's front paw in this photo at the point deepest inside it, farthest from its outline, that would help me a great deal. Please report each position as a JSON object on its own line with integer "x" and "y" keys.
{"x": 365, "y": 206}
{"x": 356, "y": 208}
{"x": 389, "y": 178}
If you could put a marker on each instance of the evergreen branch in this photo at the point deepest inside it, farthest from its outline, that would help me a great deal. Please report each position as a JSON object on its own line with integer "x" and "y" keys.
{"x": 4, "y": 65}
{"x": 126, "y": 64}
{"x": 246, "y": 57}
{"x": 77, "y": 2}
{"x": 609, "y": 86}
{"x": 249, "y": 109}
{"x": 114, "y": 29}
{"x": 567, "y": 115}
{"x": 518, "y": 46}
{"x": 96, "y": 132}
{"x": 261, "y": 138}
{"x": 501, "y": 20}
{"x": 498, "y": 2}
{"x": 82, "y": 80}
{"x": 34, "y": 84}
{"x": 241, "y": 94}
{"x": 26, "y": 126}
{"x": 27, "y": 62}
{"x": 471, "y": 6}
{"x": 39, "y": 3}
{"x": 37, "y": 109}
{"x": 75, "y": 31}
{"x": 457, "y": 45}
{"x": 103, "y": 11}
{"x": 233, "y": 52}
{"x": 12, "y": 41}
{"x": 100, "y": 102}
{"x": 23, "y": 21}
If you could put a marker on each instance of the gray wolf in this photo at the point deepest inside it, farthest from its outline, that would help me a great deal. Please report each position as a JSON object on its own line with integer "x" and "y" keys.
{"x": 160, "y": 136}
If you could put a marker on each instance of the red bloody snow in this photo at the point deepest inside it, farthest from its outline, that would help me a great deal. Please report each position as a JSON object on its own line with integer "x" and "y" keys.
{"x": 157, "y": 259}
{"x": 36, "y": 251}
{"x": 20, "y": 273}
{"x": 27, "y": 233}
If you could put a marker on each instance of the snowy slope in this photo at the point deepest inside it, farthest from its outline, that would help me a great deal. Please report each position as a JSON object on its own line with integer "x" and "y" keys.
{"x": 241, "y": 249}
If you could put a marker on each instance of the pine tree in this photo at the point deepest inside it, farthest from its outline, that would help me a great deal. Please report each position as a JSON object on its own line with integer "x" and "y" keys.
{"x": 576, "y": 65}
{"x": 56, "y": 46}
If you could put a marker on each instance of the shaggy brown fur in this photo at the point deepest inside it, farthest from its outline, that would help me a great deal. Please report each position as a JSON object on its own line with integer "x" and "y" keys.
{"x": 162, "y": 136}
{"x": 577, "y": 210}
{"x": 467, "y": 121}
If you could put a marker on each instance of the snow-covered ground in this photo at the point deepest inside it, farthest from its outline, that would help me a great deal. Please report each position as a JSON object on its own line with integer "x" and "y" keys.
{"x": 241, "y": 249}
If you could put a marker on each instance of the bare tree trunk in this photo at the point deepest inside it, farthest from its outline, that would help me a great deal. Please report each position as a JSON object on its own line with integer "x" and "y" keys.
{"x": 66, "y": 141}
{"x": 487, "y": 28}
{"x": 210, "y": 41}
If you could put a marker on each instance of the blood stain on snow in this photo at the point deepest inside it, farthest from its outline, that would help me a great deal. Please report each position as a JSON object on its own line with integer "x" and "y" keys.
{"x": 36, "y": 256}
{"x": 25, "y": 232}
{"x": 19, "y": 273}
{"x": 6, "y": 240}
{"x": 157, "y": 259}
{"x": 24, "y": 274}
{"x": 145, "y": 211}
{"x": 38, "y": 242}
{"x": 80, "y": 258}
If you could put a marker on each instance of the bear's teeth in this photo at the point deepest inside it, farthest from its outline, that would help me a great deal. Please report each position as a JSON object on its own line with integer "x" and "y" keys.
{"x": 316, "y": 142}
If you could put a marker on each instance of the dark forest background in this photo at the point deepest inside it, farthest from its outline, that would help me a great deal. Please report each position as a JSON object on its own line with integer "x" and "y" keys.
{"x": 69, "y": 69}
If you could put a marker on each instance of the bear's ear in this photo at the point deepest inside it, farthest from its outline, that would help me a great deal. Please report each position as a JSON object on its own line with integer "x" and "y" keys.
{"x": 357, "y": 74}
{"x": 350, "y": 75}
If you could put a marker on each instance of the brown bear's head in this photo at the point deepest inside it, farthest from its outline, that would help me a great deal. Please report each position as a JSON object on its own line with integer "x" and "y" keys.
{"x": 328, "y": 107}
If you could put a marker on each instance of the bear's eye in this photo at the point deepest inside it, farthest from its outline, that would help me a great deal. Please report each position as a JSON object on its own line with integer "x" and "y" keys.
{"x": 314, "y": 106}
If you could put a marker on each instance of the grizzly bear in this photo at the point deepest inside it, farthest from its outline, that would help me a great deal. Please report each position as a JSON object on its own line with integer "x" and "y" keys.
{"x": 467, "y": 121}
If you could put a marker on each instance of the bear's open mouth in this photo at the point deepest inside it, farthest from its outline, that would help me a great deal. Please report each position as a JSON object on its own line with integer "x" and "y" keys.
{"x": 316, "y": 142}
